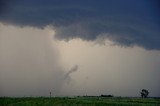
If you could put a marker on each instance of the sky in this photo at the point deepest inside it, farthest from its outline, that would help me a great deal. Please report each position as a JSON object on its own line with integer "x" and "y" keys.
{"x": 79, "y": 47}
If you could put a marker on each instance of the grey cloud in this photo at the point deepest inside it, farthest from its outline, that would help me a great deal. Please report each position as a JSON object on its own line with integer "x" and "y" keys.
{"x": 125, "y": 23}
{"x": 121, "y": 35}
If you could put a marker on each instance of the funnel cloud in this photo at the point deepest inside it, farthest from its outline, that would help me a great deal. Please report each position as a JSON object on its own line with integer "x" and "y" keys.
{"x": 72, "y": 70}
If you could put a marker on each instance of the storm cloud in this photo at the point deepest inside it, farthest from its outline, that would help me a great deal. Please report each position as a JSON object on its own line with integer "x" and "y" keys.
{"x": 41, "y": 41}
{"x": 126, "y": 23}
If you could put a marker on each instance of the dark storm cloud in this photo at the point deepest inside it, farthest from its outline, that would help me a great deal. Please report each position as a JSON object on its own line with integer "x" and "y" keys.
{"x": 125, "y": 22}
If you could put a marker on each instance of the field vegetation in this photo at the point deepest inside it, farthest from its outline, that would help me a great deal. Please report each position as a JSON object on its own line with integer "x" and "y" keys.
{"x": 79, "y": 101}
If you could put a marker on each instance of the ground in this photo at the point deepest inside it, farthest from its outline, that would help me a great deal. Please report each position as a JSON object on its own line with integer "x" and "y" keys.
{"x": 79, "y": 101}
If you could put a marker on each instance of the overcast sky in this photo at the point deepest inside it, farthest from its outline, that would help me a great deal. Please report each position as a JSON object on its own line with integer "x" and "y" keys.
{"x": 79, "y": 47}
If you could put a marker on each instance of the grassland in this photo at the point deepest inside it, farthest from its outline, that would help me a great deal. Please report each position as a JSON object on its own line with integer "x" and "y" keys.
{"x": 79, "y": 101}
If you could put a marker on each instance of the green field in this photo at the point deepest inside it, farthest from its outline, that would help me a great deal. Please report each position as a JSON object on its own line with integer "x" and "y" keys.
{"x": 79, "y": 101}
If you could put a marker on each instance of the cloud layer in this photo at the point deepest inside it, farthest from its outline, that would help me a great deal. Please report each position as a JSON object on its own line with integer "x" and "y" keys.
{"x": 126, "y": 23}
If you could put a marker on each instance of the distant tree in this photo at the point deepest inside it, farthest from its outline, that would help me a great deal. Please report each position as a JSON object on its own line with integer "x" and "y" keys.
{"x": 106, "y": 95}
{"x": 144, "y": 93}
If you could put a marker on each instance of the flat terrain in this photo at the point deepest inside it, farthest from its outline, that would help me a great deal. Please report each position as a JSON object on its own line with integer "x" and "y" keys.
{"x": 79, "y": 101}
